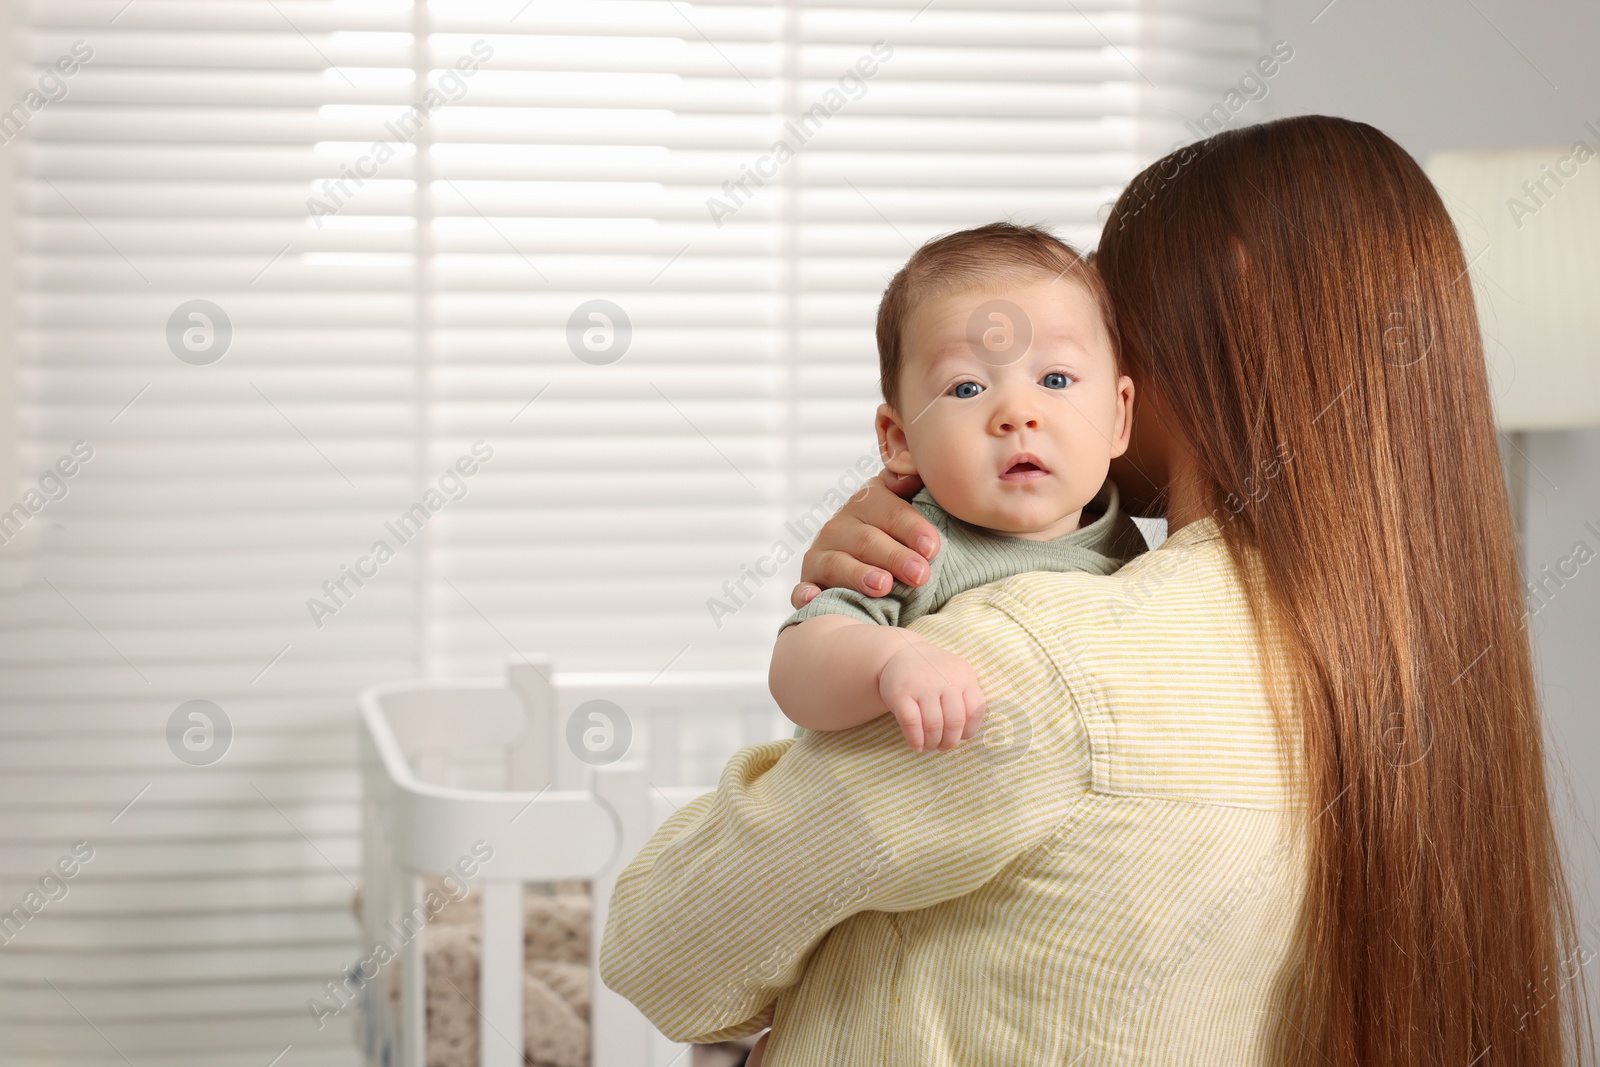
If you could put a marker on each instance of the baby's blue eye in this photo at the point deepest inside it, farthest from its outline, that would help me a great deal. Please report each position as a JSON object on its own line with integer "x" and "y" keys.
{"x": 1055, "y": 374}
{"x": 956, "y": 390}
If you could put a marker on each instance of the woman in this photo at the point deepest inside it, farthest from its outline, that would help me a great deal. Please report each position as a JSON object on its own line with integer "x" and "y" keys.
{"x": 1272, "y": 793}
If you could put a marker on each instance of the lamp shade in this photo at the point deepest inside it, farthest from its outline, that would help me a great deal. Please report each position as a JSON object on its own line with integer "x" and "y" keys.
{"x": 1529, "y": 221}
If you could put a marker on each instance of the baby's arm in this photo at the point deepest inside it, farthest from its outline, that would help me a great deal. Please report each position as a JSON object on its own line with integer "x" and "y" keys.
{"x": 833, "y": 672}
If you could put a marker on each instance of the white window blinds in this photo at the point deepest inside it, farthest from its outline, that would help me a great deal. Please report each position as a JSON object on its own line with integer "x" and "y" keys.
{"x": 528, "y": 295}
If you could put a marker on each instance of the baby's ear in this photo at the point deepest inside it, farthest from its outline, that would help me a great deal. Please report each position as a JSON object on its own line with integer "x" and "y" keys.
{"x": 1122, "y": 427}
{"x": 892, "y": 447}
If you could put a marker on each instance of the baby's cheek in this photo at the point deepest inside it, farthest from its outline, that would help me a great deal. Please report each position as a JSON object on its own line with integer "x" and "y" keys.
{"x": 949, "y": 469}
{"x": 971, "y": 502}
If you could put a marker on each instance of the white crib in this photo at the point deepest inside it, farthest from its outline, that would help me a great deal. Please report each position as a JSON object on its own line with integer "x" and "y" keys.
{"x": 446, "y": 764}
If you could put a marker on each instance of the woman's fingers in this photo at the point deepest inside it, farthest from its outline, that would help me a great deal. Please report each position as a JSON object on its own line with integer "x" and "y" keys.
{"x": 802, "y": 594}
{"x": 905, "y": 485}
{"x": 886, "y": 508}
{"x": 828, "y": 568}
{"x": 874, "y": 535}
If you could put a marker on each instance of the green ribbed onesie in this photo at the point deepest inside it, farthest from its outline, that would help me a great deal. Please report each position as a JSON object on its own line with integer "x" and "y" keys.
{"x": 970, "y": 556}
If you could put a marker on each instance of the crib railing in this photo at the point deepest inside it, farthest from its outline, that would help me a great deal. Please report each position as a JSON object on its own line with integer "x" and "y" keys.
{"x": 562, "y": 775}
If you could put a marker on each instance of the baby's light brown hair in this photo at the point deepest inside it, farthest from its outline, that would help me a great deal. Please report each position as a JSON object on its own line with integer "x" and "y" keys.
{"x": 997, "y": 251}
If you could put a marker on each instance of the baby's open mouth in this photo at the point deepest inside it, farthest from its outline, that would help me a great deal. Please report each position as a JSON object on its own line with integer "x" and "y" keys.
{"x": 1024, "y": 466}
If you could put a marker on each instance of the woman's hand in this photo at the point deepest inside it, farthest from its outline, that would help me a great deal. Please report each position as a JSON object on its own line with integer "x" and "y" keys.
{"x": 757, "y": 1052}
{"x": 874, "y": 534}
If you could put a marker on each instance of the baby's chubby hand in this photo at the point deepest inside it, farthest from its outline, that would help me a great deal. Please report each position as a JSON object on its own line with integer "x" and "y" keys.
{"x": 933, "y": 694}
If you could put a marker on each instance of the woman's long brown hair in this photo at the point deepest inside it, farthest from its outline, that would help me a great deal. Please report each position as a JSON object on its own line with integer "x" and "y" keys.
{"x": 1296, "y": 289}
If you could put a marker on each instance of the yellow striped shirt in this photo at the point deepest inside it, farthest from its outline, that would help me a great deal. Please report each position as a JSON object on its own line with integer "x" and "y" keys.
{"x": 1111, "y": 873}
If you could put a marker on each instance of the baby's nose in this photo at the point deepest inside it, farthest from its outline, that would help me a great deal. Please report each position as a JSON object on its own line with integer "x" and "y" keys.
{"x": 1013, "y": 422}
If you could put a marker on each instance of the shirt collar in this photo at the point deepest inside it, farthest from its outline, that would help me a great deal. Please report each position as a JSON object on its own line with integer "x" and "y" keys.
{"x": 1107, "y": 500}
{"x": 1196, "y": 532}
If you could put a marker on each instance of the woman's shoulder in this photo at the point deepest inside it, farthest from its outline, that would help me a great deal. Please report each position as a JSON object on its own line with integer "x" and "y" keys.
{"x": 1190, "y": 573}
{"x": 1162, "y": 662}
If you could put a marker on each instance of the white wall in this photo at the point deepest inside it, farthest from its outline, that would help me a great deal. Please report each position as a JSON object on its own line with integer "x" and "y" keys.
{"x": 1466, "y": 74}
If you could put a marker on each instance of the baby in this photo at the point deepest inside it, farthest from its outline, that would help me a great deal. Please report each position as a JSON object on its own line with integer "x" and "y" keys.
{"x": 998, "y": 363}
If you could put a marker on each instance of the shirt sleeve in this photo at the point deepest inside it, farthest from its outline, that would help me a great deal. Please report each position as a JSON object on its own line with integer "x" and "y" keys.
{"x": 720, "y": 910}
{"x": 839, "y": 600}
